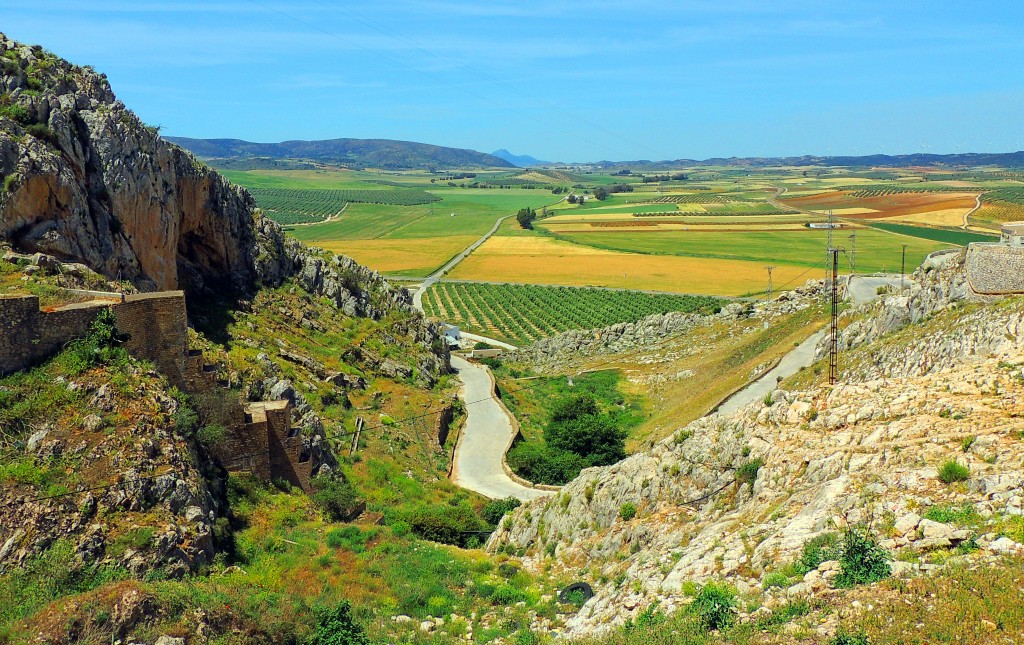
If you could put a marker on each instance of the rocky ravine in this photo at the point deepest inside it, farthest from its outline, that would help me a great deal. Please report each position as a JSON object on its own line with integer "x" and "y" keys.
{"x": 862, "y": 453}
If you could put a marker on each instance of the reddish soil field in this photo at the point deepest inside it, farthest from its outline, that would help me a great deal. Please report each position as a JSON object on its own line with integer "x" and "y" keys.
{"x": 887, "y": 205}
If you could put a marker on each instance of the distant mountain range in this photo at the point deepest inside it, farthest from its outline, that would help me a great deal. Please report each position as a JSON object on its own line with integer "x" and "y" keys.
{"x": 364, "y": 153}
{"x": 523, "y": 161}
{"x": 1003, "y": 159}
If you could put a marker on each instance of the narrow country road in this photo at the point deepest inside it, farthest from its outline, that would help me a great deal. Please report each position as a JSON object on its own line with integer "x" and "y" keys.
{"x": 790, "y": 364}
{"x": 417, "y": 297}
{"x": 977, "y": 205}
{"x": 485, "y": 437}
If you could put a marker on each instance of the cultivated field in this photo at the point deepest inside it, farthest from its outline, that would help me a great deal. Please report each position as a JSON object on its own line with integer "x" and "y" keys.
{"x": 696, "y": 230}
{"x": 523, "y": 313}
{"x": 543, "y": 260}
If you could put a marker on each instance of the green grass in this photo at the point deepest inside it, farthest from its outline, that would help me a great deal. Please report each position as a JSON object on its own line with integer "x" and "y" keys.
{"x": 294, "y": 206}
{"x": 527, "y": 312}
{"x": 475, "y": 213}
{"x": 945, "y": 236}
{"x": 876, "y": 250}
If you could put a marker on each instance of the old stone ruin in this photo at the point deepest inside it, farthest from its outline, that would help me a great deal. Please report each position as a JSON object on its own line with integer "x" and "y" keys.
{"x": 260, "y": 438}
{"x": 997, "y": 268}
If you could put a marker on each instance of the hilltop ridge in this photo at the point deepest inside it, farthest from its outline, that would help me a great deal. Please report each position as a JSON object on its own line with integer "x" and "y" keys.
{"x": 386, "y": 154}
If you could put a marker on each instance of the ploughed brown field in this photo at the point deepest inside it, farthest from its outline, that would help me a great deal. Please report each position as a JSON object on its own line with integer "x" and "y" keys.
{"x": 895, "y": 205}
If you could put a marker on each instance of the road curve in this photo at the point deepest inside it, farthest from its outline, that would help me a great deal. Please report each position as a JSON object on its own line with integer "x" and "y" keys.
{"x": 417, "y": 296}
{"x": 485, "y": 438}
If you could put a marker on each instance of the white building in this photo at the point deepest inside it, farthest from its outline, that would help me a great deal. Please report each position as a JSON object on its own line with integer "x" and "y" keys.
{"x": 1013, "y": 234}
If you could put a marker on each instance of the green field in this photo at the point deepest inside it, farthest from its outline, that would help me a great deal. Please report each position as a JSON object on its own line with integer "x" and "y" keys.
{"x": 299, "y": 206}
{"x": 876, "y": 250}
{"x": 946, "y": 236}
{"x": 523, "y": 313}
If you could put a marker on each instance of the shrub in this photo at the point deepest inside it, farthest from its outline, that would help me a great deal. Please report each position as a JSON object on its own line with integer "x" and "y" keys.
{"x": 10, "y": 182}
{"x": 967, "y": 442}
{"x": 494, "y": 511}
{"x": 820, "y": 548}
{"x": 951, "y": 514}
{"x": 844, "y": 637}
{"x": 212, "y": 434}
{"x": 714, "y": 606}
{"x": 336, "y": 498}
{"x": 774, "y": 579}
{"x": 544, "y": 464}
{"x": 953, "y": 471}
{"x": 747, "y": 473}
{"x": 862, "y": 560}
{"x": 627, "y": 511}
{"x": 43, "y": 132}
{"x": 445, "y": 523}
{"x": 17, "y": 113}
{"x": 507, "y": 595}
{"x": 335, "y": 626}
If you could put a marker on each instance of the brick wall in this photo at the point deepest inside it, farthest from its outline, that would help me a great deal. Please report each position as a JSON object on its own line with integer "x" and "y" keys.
{"x": 29, "y": 335}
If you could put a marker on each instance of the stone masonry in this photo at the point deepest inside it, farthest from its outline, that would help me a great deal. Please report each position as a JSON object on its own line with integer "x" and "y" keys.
{"x": 259, "y": 438}
{"x": 995, "y": 269}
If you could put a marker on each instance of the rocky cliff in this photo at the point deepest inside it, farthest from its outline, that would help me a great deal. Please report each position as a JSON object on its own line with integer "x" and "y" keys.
{"x": 737, "y": 497}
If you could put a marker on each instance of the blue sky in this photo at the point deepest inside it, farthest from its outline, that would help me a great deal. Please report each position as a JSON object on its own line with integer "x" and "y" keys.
{"x": 561, "y": 79}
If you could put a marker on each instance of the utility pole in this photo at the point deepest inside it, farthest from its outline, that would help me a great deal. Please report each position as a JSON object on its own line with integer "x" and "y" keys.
{"x": 769, "y": 267}
{"x": 833, "y": 350}
{"x": 903, "y": 265}
{"x": 828, "y": 252}
{"x": 767, "y": 311}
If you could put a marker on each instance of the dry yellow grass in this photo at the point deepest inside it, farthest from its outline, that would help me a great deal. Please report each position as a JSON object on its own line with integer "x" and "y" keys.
{"x": 943, "y": 217}
{"x": 549, "y": 261}
{"x": 389, "y": 256}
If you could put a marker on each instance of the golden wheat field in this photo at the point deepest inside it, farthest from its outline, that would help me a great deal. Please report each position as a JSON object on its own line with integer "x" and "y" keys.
{"x": 409, "y": 256}
{"x": 550, "y": 261}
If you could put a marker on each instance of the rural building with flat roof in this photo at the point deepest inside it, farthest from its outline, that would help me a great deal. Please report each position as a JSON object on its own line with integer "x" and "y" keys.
{"x": 1013, "y": 233}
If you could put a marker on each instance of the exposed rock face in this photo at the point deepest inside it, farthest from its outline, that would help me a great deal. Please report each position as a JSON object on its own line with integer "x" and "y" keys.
{"x": 87, "y": 181}
{"x": 552, "y": 352}
{"x": 84, "y": 180}
{"x": 157, "y": 495}
{"x": 863, "y": 453}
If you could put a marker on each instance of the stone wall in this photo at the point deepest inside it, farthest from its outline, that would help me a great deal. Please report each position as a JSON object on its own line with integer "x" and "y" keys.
{"x": 31, "y": 335}
{"x": 995, "y": 269}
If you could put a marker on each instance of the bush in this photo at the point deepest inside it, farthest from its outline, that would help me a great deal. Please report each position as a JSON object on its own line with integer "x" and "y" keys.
{"x": 627, "y": 511}
{"x": 543, "y": 464}
{"x": 714, "y": 606}
{"x": 17, "y": 113}
{"x": 212, "y": 434}
{"x": 846, "y": 638}
{"x": 445, "y": 523}
{"x": 820, "y": 548}
{"x": 43, "y": 132}
{"x": 335, "y": 626}
{"x": 494, "y": 511}
{"x": 336, "y": 498}
{"x": 747, "y": 473}
{"x": 774, "y": 579}
{"x": 862, "y": 561}
{"x": 953, "y": 471}
{"x": 507, "y": 595}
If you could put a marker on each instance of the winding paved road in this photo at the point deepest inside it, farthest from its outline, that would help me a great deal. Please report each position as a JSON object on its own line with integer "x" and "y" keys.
{"x": 485, "y": 437}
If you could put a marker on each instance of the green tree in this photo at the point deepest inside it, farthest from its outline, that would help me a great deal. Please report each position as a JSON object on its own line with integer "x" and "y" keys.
{"x": 600, "y": 194}
{"x": 335, "y": 626}
{"x": 525, "y": 217}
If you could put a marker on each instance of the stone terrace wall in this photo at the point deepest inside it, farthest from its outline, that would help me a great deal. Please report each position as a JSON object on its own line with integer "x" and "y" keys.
{"x": 995, "y": 269}
{"x": 156, "y": 324}
{"x": 259, "y": 439}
